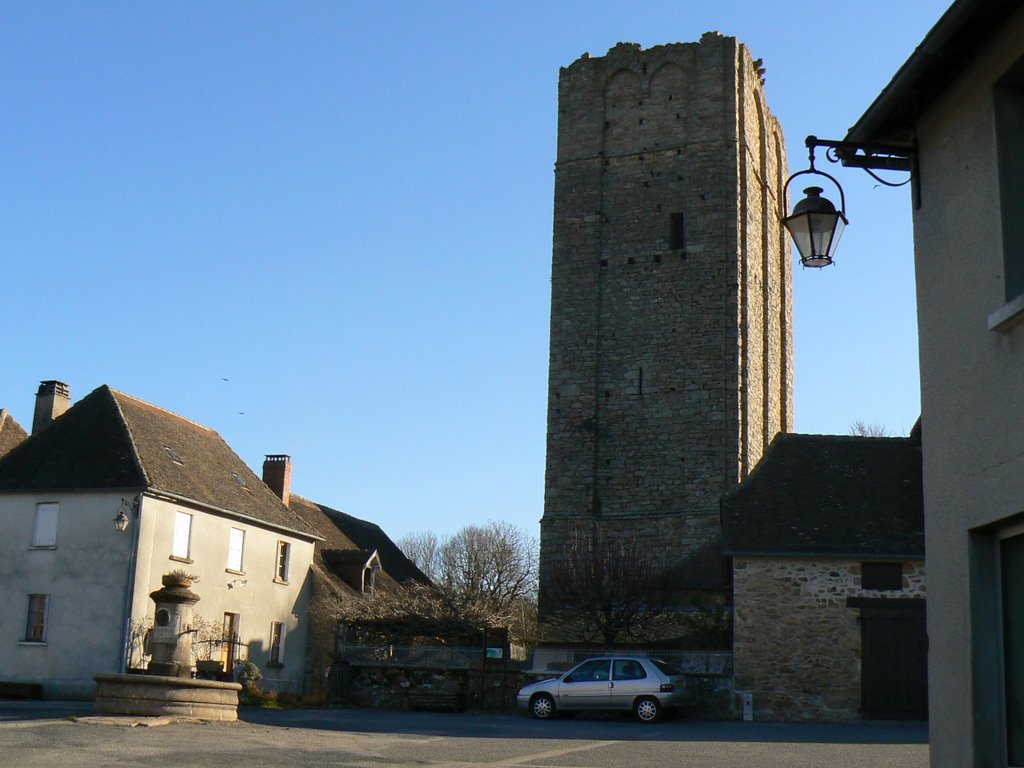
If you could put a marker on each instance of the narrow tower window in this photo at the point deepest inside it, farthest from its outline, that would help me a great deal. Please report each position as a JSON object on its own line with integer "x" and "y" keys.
{"x": 676, "y": 232}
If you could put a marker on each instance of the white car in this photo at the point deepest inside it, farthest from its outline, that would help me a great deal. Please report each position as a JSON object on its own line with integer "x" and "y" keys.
{"x": 643, "y": 685}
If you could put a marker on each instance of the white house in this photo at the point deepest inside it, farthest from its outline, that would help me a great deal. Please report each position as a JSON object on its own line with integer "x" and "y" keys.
{"x": 959, "y": 100}
{"x": 77, "y": 587}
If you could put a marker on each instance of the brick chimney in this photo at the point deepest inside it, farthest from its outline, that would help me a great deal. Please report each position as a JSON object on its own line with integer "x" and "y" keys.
{"x": 52, "y": 399}
{"x": 277, "y": 475}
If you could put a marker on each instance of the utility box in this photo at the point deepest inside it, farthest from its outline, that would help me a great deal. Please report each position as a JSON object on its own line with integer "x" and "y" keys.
{"x": 747, "y": 705}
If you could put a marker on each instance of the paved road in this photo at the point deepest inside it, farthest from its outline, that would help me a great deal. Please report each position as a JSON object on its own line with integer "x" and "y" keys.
{"x": 45, "y": 735}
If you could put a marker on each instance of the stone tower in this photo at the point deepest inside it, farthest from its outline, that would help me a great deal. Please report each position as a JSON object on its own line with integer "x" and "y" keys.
{"x": 671, "y": 350}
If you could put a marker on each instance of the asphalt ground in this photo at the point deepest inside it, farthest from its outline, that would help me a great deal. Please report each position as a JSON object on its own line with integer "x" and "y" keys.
{"x": 68, "y": 735}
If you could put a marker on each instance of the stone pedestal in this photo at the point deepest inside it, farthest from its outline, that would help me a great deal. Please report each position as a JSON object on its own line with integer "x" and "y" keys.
{"x": 171, "y": 636}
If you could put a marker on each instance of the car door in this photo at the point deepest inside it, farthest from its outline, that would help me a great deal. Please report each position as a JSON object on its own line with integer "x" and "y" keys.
{"x": 588, "y": 686}
{"x": 629, "y": 680}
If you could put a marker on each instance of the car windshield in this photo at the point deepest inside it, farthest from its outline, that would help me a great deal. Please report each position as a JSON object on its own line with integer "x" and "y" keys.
{"x": 666, "y": 668}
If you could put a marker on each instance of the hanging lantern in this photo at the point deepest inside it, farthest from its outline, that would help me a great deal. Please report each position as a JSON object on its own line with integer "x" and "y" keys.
{"x": 815, "y": 226}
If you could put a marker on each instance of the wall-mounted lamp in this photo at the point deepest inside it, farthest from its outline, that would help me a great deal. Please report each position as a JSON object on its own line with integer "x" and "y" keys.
{"x": 123, "y": 517}
{"x": 815, "y": 225}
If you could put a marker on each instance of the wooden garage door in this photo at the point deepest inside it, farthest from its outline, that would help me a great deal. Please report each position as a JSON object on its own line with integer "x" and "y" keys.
{"x": 894, "y": 659}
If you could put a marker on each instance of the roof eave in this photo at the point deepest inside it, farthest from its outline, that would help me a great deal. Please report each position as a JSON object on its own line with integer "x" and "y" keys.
{"x": 157, "y": 493}
{"x": 955, "y": 38}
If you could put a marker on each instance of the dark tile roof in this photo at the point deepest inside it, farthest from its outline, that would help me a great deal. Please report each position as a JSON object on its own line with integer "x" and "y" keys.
{"x": 344, "y": 533}
{"x": 11, "y": 433}
{"x": 829, "y": 495}
{"x": 112, "y": 440}
{"x": 369, "y": 537}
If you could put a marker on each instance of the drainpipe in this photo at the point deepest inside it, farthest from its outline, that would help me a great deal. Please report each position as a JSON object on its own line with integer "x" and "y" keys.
{"x": 129, "y": 591}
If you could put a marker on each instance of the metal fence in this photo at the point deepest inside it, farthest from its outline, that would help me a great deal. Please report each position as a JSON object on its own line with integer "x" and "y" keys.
{"x": 419, "y": 656}
{"x": 539, "y": 660}
{"x": 707, "y": 663}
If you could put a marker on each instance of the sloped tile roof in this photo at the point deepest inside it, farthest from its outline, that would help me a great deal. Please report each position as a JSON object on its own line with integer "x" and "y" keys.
{"x": 343, "y": 533}
{"x": 112, "y": 440}
{"x": 829, "y": 495}
{"x": 11, "y": 433}
{"x": 88, "y": 447}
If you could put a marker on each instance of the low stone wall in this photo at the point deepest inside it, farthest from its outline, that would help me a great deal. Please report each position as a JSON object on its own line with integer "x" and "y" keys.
{"x": 796, "y": 644}
{"x": 390, "y": 687}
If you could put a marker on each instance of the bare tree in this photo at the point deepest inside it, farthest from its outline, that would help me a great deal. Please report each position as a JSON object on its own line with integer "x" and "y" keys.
{"x": 607, "y": 589}
{"x": 865, "y": 429}
{"x": 484, "y": 575}
{"x": 493, "y": 563}
{"x": 424, "y": 549}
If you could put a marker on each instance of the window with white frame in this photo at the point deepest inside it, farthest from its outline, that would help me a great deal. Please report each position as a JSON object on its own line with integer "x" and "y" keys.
{"x": 182, "y": 542}
{"x": 236, "y": 545}
{"x": 276, "y": 643}
{"x": 35, "y": 625}
{"x": 44, "y": 531}
{"x": 283, "y": 556}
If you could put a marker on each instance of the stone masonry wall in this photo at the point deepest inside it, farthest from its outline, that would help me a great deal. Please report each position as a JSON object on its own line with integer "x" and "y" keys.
{"x": 671, "y": 352}
{"x": 796, "y": 644}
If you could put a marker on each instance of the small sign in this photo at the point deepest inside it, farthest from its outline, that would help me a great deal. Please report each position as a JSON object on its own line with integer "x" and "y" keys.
{"x": 495, "y": 653}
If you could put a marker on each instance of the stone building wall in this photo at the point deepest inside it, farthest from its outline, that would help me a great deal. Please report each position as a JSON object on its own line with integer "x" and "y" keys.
{"x": 671, "y": 352}
{"x": 796, "y": 644}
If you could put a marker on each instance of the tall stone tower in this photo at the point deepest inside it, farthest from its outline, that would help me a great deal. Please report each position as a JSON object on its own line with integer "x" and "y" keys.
{"x": 671, "y": 350}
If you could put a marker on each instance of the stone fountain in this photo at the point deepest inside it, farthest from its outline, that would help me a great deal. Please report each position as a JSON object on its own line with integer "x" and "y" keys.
{"x": 168, "y": 687}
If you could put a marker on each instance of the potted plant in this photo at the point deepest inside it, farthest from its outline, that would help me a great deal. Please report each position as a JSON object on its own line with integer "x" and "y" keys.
{"x": 179, "y": 578}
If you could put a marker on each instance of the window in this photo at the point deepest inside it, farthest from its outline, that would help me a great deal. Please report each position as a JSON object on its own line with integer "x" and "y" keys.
{"x": 881, "y": 576}
{"x": 370, "y": 578}
{"x": 595, "y": 669}
{"x": 35, "y": 626}
{"x": 182, "y": 535}
{"x": 676, "y": 232}
{"x": 628, "y": 669}
{"x": 283, "y": 555}
{"x": 236, "y": 544}
{"x": 44, "y": 532}
{"x": 1009, "y": 116}
{"x": 276, "y": 643}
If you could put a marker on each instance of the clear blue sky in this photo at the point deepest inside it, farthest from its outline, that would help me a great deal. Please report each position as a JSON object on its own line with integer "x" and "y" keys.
{"x": 344, "y": 209}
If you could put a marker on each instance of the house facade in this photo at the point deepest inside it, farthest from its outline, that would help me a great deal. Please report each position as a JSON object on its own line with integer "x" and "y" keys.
{"x": 78, "y": 587}
{"x": 959, "y": 99}
{"x": 826, "y": 538}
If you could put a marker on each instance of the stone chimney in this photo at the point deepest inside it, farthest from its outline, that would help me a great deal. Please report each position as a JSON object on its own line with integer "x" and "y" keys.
{"x": 277, "y": 475}
{"x": 52, "y": 399}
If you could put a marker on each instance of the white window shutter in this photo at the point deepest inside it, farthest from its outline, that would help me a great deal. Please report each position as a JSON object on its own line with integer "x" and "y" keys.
{"x": 45, "y": 532}
{"x": 235, "y": 546}
{"x": 182, "y": 534}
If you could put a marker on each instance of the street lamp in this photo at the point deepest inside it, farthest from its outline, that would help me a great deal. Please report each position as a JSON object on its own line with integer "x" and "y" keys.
{"x": 122, "y": 519}
{"x": 815, "y": 224}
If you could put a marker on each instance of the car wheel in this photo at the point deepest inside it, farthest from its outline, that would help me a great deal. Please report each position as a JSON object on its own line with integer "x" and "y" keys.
{"x": 647, "y": 709}
{"x": 542, "y": 706}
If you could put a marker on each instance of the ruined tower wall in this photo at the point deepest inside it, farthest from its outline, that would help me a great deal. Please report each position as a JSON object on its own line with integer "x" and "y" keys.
{"x": 671, "y": 358}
